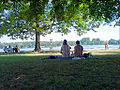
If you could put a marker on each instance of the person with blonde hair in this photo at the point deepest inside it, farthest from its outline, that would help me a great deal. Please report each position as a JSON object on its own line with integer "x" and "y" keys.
{"x": 65, "y": 50}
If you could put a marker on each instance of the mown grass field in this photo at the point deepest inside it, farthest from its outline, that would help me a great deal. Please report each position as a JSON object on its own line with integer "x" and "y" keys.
{"x": 28, "y": 71}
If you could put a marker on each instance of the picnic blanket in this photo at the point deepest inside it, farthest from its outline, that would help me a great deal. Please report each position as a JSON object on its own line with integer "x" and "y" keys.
{"x": 57, "y": 57}
{"x": 85, "y": 56}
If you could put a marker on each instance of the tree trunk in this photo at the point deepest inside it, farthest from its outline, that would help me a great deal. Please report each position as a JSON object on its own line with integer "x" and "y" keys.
{"x": 37, "y": 42}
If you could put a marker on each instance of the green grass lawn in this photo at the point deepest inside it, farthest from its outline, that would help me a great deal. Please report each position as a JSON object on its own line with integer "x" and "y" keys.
{"x": 26, "y": 71}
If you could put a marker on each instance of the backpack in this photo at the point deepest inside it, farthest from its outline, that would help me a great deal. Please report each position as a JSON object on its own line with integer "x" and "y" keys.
{"x": 86, "y": 55}
{"x": 53, "y": 57}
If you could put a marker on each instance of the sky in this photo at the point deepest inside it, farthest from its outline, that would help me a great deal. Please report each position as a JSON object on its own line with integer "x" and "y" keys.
{"x": 103, "y": 32}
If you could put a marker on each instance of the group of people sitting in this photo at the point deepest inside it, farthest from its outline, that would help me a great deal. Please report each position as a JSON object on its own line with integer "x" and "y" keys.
{"x": 65, "y": 50}
{"x": 9, "y": 49}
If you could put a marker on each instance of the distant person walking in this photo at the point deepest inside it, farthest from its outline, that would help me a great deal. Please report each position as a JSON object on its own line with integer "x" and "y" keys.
{"x": 65, "y": 49}
{"x": 106, "y": 45}
{"x": 78, "y": 49}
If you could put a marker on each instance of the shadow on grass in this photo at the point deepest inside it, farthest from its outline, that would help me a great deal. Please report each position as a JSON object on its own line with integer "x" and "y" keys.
{"x": 30, "y": 72}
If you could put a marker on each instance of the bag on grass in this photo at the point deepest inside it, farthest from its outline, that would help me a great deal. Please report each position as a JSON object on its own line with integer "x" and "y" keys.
{"x": 87, "y": 55}
{"x": 52, "y": 57}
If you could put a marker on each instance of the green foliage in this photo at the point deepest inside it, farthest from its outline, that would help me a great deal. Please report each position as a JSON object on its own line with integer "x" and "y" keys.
{"x": 113, "y": 42}
{"x": 27, "y": 18}
{"x": 85, "y": 41}
{"x": 85, "y": 15}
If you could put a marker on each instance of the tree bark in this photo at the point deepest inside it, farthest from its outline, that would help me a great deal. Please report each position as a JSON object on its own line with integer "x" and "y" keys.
{"x": 37, "y": 42}
{"x": 37, "y": 37}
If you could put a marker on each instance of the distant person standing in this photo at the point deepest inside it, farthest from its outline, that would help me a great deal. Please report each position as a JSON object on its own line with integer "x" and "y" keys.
{"x": 106, "y": 45}
{"x": 78, "y": 49}
{"x": 65, "y": 49}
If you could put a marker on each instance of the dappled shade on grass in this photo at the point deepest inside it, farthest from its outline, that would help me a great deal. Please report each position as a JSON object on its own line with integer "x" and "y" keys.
{"x": 31, "y": 72}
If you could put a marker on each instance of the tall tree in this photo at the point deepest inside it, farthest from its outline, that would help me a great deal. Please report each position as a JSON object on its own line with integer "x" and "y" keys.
{"x": 27, "y": 18}
{"x": 40, "y": 17}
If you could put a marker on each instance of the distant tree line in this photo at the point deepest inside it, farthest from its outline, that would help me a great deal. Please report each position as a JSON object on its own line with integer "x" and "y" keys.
{"x": 97, "y": 41}
{"x": 84, "y": 41}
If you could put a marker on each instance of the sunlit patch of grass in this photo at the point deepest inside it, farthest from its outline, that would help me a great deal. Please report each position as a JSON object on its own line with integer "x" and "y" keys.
{"x": 94, "y": 52}
{"x": 35, "y": 54}
{"x": 31, "y": 53}
{"x": 105, "y": 52}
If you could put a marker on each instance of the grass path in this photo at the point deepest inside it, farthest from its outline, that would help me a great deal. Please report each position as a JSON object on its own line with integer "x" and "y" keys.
{"x": 27, "y": 71}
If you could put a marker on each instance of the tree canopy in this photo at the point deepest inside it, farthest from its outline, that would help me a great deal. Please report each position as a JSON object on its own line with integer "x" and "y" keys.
{"x": 25, "y": 18}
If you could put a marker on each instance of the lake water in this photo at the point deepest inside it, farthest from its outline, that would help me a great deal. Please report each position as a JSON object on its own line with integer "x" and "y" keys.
{"x": 72, "y": 47}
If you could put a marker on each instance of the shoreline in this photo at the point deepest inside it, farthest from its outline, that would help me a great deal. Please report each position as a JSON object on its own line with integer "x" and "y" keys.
{"x": 47, "y": 53}
{"x": 86, "y": 47}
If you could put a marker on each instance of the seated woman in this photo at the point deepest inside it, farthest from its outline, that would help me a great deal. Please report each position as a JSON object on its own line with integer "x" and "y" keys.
{"x": 78, "y": 50}
{"x": 10, "y": 49}
{"x": 5, "y": 49}
{"x": 16, "y": 49}
{"x": 65, "y": 50}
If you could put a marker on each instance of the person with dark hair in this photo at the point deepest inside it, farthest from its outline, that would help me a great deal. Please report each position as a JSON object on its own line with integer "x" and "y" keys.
{"x": 78, "y": 49}
{"x": 16, "y": 49}
{"x": 65, "y": 49}
{"x": 5, "y": 49}
{"x": 10, "y": 49}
